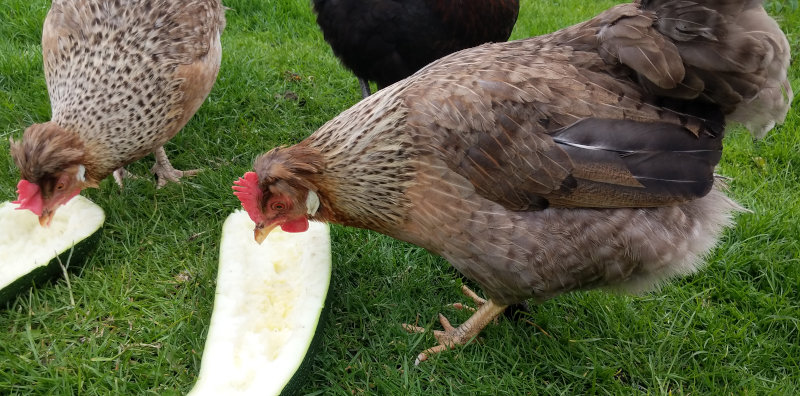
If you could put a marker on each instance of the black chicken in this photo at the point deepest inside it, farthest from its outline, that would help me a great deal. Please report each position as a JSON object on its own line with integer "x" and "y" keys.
{"x": 388, "y": 40}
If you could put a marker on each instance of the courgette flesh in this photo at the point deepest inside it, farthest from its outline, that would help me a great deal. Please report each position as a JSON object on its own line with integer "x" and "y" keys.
{"x": 32, "y": 255}
{"x": 267, "y": 310}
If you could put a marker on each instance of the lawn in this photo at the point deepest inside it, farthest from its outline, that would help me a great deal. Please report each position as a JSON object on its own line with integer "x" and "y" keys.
{"x": 143, "y": 300}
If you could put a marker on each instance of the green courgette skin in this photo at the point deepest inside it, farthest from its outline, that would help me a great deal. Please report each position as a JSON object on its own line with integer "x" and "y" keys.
{"x": 44, "y": 274}
{"x": 298, "y": 380}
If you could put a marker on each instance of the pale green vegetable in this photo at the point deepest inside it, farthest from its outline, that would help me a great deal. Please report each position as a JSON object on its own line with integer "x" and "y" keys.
{"x": 30, "y": 253}
{"x": 268, "y": 304}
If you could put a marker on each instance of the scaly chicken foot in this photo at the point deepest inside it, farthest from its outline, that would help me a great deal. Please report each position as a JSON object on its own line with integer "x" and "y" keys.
{"x": 472, "y": 295}
{"x": 477, "y": 300}
{"x": 452, "y": 336}
{"x": 122, "y": 173}
{"x": 165, "y": 172}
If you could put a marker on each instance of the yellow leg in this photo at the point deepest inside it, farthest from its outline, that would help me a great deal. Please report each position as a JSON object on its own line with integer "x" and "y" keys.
{"x": 452, "y": 336}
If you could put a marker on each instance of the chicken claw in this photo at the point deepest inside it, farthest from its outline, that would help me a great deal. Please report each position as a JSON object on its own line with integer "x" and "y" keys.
{"x": 165, "y": 172}
{"x": 122, "y": 173}
{"x": 452, "y": 336}
{"x": 471, "y": 294}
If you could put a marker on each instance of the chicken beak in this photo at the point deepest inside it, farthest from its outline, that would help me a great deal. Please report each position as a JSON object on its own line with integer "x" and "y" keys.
{"x": 262, "y": 230}
{"x": 46, "y": 217}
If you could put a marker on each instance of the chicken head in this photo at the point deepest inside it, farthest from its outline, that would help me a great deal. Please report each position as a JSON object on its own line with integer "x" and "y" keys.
{"x": 51, "y": 167}
{"x": 276, "y": 204}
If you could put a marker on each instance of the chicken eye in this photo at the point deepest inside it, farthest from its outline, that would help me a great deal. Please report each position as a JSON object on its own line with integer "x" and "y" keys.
{"x": 278, "y": 206}
{"x": 59, "y": 186}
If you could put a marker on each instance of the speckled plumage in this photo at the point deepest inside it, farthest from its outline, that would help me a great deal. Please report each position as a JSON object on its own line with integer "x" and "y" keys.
{"x": 124, "y": 76}
{"x": 580, "y": 159}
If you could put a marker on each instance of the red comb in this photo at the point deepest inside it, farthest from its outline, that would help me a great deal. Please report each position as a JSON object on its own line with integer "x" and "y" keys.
{"x": 29, "y": 197}
{"x": 246, "y": 189}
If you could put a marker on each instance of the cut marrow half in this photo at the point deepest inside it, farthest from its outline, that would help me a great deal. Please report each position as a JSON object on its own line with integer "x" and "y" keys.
{"x": 31, "y": 254}
{"x": 267, "y": 309}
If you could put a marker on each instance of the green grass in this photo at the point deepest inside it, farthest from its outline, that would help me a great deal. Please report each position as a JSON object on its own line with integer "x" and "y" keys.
{"x": 138, "y": 327}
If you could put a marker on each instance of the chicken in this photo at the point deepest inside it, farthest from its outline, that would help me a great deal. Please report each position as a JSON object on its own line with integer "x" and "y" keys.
{"x": 123, "y": 78}
{"x": 580, "y": 159}
{"x": 388, "y": 40}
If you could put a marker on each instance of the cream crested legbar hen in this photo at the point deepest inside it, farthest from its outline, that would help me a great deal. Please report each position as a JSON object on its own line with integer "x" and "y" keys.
{"x": 580, "y": 159}
{"x": 124, "y": 77}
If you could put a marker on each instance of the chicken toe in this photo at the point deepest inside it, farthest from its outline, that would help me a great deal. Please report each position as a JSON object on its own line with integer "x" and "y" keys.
{"x": 452, "y": 336}
{"x": 120, "y": 174}
{"x": 165, "y": 172}
{"x": 471, "y": 294}
{"x": 513, "y": 311}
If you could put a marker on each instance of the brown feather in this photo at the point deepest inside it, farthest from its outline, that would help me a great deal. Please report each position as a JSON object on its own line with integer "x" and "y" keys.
{"x": 294, "y": 165}
{"x": 46, "y": 149}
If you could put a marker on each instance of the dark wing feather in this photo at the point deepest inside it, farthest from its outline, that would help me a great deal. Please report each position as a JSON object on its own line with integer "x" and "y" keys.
{"x": 471, "y": 23}
{"x": 624, "y": 110}
{"x": 546, "y": 127}
{"x": 651, "y": 163}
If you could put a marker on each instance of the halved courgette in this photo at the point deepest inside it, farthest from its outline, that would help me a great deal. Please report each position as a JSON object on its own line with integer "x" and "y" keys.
{"x": 31, "y": 254}
{"x": 267, "y": 310}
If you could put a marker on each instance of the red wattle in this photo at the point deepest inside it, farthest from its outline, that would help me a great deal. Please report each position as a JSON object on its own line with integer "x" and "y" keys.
{"x": 298, "y": 225}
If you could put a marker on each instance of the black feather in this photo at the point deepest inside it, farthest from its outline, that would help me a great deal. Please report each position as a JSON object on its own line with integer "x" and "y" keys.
{"x": 388, "y": 40}
{"x": 665, "y": 159}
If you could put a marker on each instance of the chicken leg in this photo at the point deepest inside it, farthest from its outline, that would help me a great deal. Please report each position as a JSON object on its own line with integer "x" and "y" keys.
{"x": 165, "y": 172}
{"x": 120, "y": 174}
{"x": 451, "y": 336}
{"x": 365, "y": 91}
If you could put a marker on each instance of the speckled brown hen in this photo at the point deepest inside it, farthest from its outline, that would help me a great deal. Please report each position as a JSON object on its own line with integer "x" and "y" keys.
{"x": 124, "y": 77}
{"x": 575, "y": 160}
